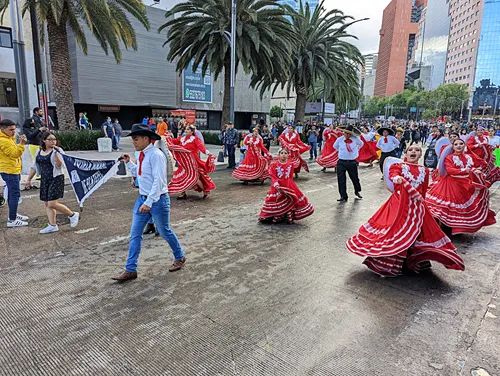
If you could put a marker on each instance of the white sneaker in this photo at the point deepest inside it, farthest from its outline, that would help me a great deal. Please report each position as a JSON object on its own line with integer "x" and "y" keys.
{"x": 17, "y": 223}
{"x": 49, "y": 229}
{"x": 22, "y": 218}
{"x": 73, "y": 220}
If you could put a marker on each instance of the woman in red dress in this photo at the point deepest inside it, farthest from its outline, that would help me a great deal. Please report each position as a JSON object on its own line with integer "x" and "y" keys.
{"x": 460, "y": 199}
{"x": 254, "y": 167}
{"x": 290, "y": 140}
{"x": 192, "y": 172}
{"x": 329, "y": 155}
{"x": 478, "y": 144}
{"x": 284, "y": 201}
{"x": 402, "y": 233}
{"x": 368, "y": 153}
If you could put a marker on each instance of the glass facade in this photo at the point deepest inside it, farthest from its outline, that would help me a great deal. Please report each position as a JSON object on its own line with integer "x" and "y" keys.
{"x": 487, "y": 78}
{"x": 296, "y": 3}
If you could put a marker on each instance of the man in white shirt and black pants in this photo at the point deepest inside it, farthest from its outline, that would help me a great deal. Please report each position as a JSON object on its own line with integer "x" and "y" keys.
{"x": 388, "y": 144}
{"x": 153, "y": 201}
{"x": 348, "y": 147}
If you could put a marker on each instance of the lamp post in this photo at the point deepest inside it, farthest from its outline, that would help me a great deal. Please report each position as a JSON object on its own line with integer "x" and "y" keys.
{"x": 233, "y": 60}
{"x": 19, "y": 59}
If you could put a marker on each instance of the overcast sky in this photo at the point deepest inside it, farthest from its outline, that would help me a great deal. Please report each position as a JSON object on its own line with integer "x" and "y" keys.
{"x": 366, "y": 31}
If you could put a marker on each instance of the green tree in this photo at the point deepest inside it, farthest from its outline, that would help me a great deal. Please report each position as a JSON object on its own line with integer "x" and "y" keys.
{"x": 198, "y": 29}
{"x": 276, "y": 112}
{"x": 109, "y": 22}
{"x": 321, "y": 52}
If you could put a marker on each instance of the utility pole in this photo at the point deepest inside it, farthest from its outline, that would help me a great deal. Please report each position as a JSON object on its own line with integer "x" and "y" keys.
{"x": 23, "y": 98}
{"x": 233, "y": 61}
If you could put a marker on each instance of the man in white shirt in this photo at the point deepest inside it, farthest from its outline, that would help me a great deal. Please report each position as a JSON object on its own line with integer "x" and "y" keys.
{"x": 153, "y": 201}
{"x": 388, "y": 144}
{"x": 348, "y": 147}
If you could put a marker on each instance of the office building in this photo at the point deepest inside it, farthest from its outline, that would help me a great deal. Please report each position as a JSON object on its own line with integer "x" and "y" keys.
{"x": 486, "y": 83}
{"x": 295, "y": 4}
{"x": 429, "y": 58}
{"x": 397, "y": 39}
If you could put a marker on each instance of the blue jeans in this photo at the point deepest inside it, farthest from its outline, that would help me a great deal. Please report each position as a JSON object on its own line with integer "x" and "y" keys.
{"x": 12, "y": 181}
{"x": 117, "y": 141}
{"x": 313, "y": 149}
{"x": 231, "y": 154}
{"x": 160, "y": 212}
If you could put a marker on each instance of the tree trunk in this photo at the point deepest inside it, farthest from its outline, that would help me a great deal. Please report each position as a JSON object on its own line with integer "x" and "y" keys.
{"x": 300, "y": 104}
{"x": 226, "y": 104}
{"x": 61, "y": 73}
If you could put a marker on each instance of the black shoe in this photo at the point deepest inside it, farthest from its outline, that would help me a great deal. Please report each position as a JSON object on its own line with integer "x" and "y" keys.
{"x": 342, "y": 200}
{"x": 182, "y": 197}
{"x": 150, "y": 229}
{"x": 157, "y": 233}
{"x": 323, "y": 169}
{"x": 229, "y": 167}
{"x": 382, "y": 178}
{"x": 358, "y": 195}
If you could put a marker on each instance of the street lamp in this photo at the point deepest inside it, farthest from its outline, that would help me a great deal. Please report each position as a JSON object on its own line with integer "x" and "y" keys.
{"x": 233, "y": 60}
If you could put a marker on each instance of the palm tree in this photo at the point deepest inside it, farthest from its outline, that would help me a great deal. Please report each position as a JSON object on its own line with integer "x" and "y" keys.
{"x": 199, "y": 30}
{"x": 108, "y": 20}
{"x": 322, "y": 53}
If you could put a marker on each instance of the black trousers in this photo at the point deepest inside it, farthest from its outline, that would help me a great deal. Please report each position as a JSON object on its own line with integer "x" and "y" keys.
{"x": 231, "y": 153}
{"x": 393, "y": 153}
{"x": 351, "y": 167}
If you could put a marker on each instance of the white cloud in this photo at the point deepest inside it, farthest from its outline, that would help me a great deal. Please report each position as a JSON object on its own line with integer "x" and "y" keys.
{"x": 366, "y": 31}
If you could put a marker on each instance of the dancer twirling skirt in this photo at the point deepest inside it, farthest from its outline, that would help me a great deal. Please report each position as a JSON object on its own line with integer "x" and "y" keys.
{"x": 478, "y": 145}
{"x": 254, "y": 167}
{"x": 368, "y": 152}
{"x": 284, "y": 201}
{"x": 329, "y": 155}
{"x": 192, "y": 172}
{"x": 290, "y": 140}
{"x": 461, "y": 199}
{"x": 402, "y": 233}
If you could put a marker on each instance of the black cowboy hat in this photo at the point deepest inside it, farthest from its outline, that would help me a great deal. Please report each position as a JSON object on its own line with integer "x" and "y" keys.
{"x": 381, "y": 130}
{"x": 143, "y": 130}
{"x": 350, "y": 129}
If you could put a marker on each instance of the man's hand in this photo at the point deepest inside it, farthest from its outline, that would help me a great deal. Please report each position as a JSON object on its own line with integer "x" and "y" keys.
{"x": 125, "y": 158}
{"x": 27, "y": 185}
{"x": 23, "y": 140}
{"x": 144, "y": 209}
{"x": 43, "y": 129}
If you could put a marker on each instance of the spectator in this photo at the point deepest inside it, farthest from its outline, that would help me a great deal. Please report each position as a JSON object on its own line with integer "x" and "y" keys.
{"x": 33, "y": 128}
{"x": 266, "y": 137}
{"x": 312, "y": 140}
{"x": 162, "y": 127}
{"x": 415, "y": 136}
{"x": 320, "y": 136}
{"x": 107, "y": 129}
{"x": 222, "y": 136}
{"x": 243, "y": 148}
{"x": 280, "y": 131}
{"x": 10, "y": 169}
{"x": 402, "y": 142}
{"x": 174, "y": 128}
{"x": 145, "y": 120}
{"x": 118, "y": 130}
{"x": 231, "y": 141}
{"x": 48, "y": 164}
{"x": 152, "y": 124}
{"x": 82, "y": 122}
{"x": 274, "y": 132}
{"x": 298, "y": 128}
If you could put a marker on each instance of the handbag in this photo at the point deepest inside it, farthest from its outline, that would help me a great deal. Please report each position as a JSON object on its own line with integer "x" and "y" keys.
{"x": 220, "y": 157}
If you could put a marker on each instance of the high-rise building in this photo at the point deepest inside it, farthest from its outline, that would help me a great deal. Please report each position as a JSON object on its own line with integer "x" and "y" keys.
{"x": 397, "y": 40}
{"x": 295, "y": 4}
{"x": 368, "y": 74}
{"x": 486, "y": 82}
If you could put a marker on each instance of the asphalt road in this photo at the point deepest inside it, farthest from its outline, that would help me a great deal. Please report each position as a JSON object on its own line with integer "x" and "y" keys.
{"x": 253, "y": 299}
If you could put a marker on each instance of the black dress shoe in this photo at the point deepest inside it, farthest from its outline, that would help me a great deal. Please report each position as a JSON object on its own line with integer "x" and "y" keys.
{"x": 150, "y": 229}
{"x": 358, "y": 195}
{"x": 342, "y": 200}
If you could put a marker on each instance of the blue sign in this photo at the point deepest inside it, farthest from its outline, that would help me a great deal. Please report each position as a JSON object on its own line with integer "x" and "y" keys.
{"x": 195, "y": 86}
{"x": 413, "y": 109}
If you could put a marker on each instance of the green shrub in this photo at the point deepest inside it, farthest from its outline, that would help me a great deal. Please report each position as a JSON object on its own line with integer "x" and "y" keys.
{"x": 78, "y": 140}
{"x": 211, "y": 138}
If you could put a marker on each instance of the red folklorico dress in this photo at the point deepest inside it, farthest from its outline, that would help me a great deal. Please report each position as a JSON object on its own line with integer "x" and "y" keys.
{"x": 402, "y": 231}
{"x": 254, "y": 166}
{"x": 480, "y": 147}
{"x": 329, "y": 155}
{"x": 284, "y": 200}
{"x": 368, "y": 153}
{"x": 295, "y": 147}
{"x": 191, "y": 168}
{"x": 459, "y": 199}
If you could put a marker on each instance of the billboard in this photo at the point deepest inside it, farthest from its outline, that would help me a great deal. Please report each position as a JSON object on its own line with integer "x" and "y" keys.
{"x": 195, "y": 86}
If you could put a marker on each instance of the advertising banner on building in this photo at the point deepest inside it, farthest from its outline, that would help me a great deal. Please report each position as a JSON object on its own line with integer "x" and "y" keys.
{"x": 195, "y": 86}
{"x": 189, "y": 115}
{"x": 313, "y": 107}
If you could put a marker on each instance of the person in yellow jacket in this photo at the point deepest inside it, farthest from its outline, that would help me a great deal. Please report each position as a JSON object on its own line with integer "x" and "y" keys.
{"x": 10, "y": 169}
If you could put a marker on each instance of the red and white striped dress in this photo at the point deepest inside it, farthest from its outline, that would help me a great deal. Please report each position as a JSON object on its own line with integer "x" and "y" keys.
{"x": 461, "y": 199}
{"x": 368, "y": 153}
{"x": 479, "y": 146}
{"x": 284, "y": 201}
{"x": 402, "y": 231}
{"x": 329, "y": 155}
{"x": 291, "y": 141}
{"x": 191, "y": 168}
{"x": 254, "y": 166}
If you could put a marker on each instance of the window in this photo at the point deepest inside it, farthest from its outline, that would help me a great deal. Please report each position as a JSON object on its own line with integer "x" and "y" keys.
{"x": 8, "y": 92}
{"x": 5, "y": 37}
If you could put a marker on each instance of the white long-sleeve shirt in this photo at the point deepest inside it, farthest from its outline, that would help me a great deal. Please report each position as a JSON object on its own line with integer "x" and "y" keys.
{"x": 494, "y": 141}
{"x": 391, "y": 144}
{"x": 345, "y": 154}
{"x": 153, "y": 179}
